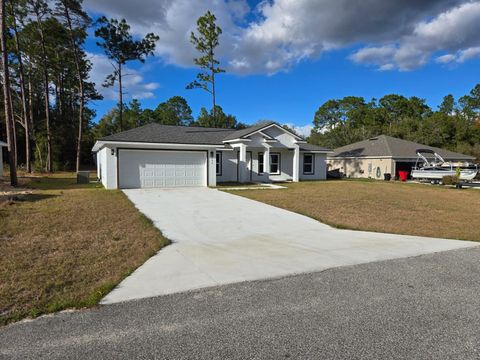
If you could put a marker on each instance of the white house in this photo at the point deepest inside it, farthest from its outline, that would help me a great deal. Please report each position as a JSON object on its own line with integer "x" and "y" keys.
{"x": 166, "y": 156}
{"x": 2, "y": 145}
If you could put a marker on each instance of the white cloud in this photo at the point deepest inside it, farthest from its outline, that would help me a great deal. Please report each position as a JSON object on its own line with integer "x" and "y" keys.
{"x": 468, "y": 54}
{"x": 277, "y": 34}
{"x": 445, "y": 59}
{"x": 455, "y": 29}
{"x": 460, "y": 56}
{"x": 381, "y": 56}
{"x": 134, "y": 82}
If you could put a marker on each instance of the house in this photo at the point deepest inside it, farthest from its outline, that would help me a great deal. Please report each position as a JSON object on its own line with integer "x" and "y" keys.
{"x": 372, "y": 158}
{"x": 2, "y": 145}
{"x": 166, "y": 156}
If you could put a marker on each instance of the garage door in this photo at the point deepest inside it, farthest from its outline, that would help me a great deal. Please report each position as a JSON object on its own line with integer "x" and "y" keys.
{"x": 154, "y": 169}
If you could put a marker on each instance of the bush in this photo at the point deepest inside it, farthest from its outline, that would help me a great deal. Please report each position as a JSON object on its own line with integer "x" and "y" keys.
{"x": 450, "y": 180}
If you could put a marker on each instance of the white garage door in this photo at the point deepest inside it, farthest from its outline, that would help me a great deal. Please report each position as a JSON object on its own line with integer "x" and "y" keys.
{"x": 154, "y": 169}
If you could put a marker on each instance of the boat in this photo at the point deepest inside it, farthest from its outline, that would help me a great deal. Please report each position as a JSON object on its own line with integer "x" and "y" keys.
{"x": 437, "y": 168}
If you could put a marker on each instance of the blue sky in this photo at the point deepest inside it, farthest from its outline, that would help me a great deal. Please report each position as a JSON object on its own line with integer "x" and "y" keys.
{"x": 273, "y": 75}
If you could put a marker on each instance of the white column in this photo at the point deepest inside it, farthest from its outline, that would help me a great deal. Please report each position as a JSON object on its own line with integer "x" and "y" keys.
{"x": 242, "y": 164}
{"x": 212, "y": 168}
{"x": 266, "y": 162}
{"x": 296, "y": 163}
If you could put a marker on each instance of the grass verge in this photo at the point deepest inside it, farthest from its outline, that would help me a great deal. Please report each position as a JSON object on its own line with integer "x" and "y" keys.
{"x": 66, "y": 245}
{"x": 391, "y": 207}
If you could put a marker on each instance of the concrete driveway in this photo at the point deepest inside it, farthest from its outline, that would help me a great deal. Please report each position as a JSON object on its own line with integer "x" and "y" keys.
{"x": 219, "y": 238}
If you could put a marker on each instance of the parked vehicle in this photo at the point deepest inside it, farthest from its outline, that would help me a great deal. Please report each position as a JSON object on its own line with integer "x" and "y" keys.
{"x": 437, "y": 168}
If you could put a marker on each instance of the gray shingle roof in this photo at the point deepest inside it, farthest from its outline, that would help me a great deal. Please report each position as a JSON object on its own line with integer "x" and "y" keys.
{"x": 156, "y": 133}
{"x": 311, "y": 147}
{"x": 3, "y": 143}
{"x": 384, "y": 145}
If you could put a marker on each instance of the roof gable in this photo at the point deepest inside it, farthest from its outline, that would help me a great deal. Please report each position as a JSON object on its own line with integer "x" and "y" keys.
{"x": 245, "y": 133}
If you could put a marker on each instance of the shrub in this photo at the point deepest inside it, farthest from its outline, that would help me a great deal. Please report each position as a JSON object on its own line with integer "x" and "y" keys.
{"x": 449, "y": 180}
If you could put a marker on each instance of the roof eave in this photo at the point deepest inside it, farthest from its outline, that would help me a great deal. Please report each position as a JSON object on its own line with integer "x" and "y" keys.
{"x": 102, "y": 143}
{"x": 317, "y": 151}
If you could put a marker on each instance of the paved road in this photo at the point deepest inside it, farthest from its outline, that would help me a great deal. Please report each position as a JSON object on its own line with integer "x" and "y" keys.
{"x": 219, "y": 238}
{"x": 427, "y": 307}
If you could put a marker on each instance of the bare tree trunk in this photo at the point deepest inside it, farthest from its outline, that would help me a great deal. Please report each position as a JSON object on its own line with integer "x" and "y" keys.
{"x": 80, "y": 87}
{"x": 46, "y": 94}
{"x": 120, "y": 97}
{"x": 14, "y": 127}
{"x": 213, "y": 95}
{"x": 25, "y": 104}
{"x": 7, "y": 97}
{"x": 30, "y": 97}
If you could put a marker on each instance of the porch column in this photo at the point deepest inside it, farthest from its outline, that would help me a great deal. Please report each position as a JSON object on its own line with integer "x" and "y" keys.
{"x": 296, "y": 163}
{"x": 212, "y": 168}
{"x": 242, "y": 164}
{"x": 266, "y": 162}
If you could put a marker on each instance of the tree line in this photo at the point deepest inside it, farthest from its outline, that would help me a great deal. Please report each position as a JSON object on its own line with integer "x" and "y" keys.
{"x": 454, "y": 125}
{"x": 46, "y": 90}
{"x": 46, "y": 116}
{"x": 174, "y": 111}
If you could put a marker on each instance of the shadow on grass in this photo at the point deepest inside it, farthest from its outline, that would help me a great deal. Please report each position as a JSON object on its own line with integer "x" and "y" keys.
{"x": 60, "y": 183}
{"x": 25, "y": 198}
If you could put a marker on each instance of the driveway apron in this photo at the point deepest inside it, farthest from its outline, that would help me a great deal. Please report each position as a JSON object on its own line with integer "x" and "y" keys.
{"x": 219, "y": 238}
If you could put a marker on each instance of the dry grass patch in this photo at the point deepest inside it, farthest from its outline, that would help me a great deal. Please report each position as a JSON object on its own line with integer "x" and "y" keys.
{"x": 398, "y": 208}
{"x": 66, "y": 245}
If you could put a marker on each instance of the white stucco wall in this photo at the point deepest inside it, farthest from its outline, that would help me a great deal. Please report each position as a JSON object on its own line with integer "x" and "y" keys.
{"x": 229, "y": 166}
{"x": 256, "y": 176}
{"x": 107, "y": 167}
{"x": 286, "y": 165}
{"x": 320, "y": 167}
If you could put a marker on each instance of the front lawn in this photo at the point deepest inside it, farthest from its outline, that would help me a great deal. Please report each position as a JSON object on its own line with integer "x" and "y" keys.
{"x": 64, "y": 245}
{"x": 391, "y": 207}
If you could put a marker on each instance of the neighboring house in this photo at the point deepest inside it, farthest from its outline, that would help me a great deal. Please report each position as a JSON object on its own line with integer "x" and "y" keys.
{"x": 2, "y": 145}
{"x": 381, "y": 155}
{"x": 165, "y": 156}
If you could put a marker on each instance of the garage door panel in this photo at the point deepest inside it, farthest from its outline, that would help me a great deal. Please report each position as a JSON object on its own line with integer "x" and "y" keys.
{"x": 159, "y": 183}
{"x": 152, "y": 169}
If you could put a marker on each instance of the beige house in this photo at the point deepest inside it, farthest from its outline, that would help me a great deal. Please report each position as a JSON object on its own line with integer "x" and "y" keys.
{"x": 375, "y": 157}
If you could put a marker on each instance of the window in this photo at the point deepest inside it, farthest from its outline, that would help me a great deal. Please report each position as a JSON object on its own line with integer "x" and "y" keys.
{"x": 260, "y": 163}
{"x": 218, "y": 165}
{"x": 275, "y": 163}
{"x": 308, "y": 161}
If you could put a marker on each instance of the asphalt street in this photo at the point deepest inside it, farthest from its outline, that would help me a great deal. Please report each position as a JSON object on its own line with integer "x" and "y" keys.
{"x": 426, "y": 307}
